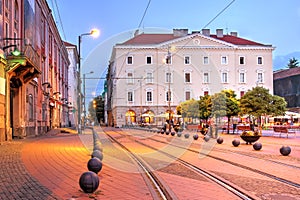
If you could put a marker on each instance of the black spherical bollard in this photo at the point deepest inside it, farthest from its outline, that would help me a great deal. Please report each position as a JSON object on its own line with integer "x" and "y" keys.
{"x": 97, "y": 154}
{"x": 89, "y": 182}
{"x": 179, "y": 134}
{"x": 98, "y": 146}
{"x": 173, "y": 133}
{"x": 195, "y": 137}
{"x": 257, "y": 146}
{"x": 186, "y": 135}
{"x": 162, "y": 131}
{"x": 285, "y": 150}
{"x": 220, "y": 140}
{"x": 94, "y": 165}
{"x": 206, "y": 138}
{"x": 167, "y": 132}
{"x": 236, "y": 142}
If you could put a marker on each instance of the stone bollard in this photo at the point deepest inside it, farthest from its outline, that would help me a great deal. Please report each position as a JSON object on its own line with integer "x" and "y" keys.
{"x": 89, "y": 182}
{"x": 97, "y": 154}
{"x": 236, "y": 142}
{"x": 94, "y": 165}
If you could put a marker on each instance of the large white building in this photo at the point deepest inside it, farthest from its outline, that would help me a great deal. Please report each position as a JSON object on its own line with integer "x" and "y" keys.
{"x": 150, "y": 74}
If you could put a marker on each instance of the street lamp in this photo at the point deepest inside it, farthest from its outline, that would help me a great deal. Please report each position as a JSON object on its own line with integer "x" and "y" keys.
{"x": 84, "y": 111}
{"x": 168, "y": 62}
{"x": 95, "y": 33}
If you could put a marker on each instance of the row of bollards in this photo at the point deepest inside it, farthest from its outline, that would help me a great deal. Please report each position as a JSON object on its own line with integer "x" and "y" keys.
{"x": 284, "y": 150}
{"x": 89, "y": 181}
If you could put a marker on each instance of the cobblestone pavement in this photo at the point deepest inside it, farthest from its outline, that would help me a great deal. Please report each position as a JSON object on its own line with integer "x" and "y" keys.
{"x": 15, "y": 181}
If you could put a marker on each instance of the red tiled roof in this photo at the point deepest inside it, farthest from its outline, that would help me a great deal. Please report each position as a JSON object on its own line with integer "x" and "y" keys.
{"x": 236, "y": 40}
{"x": 159, "y": 38}
{"x": 286, "y": 73}
{"x": 69, "y": 44}
{"x": 150, "y": 39}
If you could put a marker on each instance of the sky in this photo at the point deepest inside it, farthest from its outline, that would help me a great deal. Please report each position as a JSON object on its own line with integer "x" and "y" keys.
{"x": 264, "y": 21}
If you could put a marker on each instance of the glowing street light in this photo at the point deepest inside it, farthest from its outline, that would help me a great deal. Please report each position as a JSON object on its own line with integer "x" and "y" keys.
{"x": 94, "y": 33}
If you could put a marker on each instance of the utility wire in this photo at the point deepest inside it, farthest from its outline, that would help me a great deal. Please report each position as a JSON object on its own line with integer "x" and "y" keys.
{"x": 144, "y": 14}
{"x": 57, "y": 16}
{"x": 60, "y": 21}
{"x": 219, "y": 14}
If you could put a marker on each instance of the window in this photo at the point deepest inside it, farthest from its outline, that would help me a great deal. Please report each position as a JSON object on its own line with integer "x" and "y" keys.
{"x": 205, "y": 77}
{"x": 187, "y": 77}
{"x": 168, "y": 77}
{"x": 260, "y": 77}
{"x": 259, "y": 60}
{"x": 224, "y": 60}
{"x": 186, "y": 60}
{"x": 168, "y": 96}
{"x": 168, "y": 59}
{"x": 224, "y": 77}
{"x": 149, "y": 77}
{"x": 30, "y": 104}
{"x": 130, "y": 79}
{"x": 187, "y": 95}
{"x": 129, "y": 60}
{"x": 130, "y": 96}
{"x": 242, "y": 93}
{"x": 149, "y": 96}
{"x": 149, "y": 60}
{"x": 242, "y": 77}
{"x": 205, "y": 60}
{"x": 242, "y": 60}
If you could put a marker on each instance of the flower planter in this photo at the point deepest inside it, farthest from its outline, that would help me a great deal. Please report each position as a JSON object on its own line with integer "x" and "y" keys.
{"x": 250, "y": 139}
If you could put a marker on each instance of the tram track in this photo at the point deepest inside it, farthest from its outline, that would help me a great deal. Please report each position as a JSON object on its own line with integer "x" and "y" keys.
{"x": 282, "y": 180}
{"x": 212, "y": 177}
{"x": 163, "y": 192}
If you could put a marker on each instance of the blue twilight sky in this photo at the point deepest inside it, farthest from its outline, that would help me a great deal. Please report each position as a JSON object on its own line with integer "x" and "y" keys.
{"x": 264, "y": 21}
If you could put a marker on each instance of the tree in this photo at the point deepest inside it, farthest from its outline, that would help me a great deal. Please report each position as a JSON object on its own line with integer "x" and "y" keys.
{"x": 190, "y": 108}
{"x": 293, "y": 63}
{"x": 96, "y": 109}
{"x": 205, "y": 106}
{"x": 225, "y": 104}
{"x": 258, "y": 102}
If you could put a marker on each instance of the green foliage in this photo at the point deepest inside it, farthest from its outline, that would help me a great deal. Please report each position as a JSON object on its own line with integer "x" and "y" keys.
{"x": 293, "y": 63}
{"x": 96, "y": 109}
{"x": 190, "y": 108}
{"x": 205, "y": 107}
{"x": 259, "y": 101}
{"x": 226, "y": 104}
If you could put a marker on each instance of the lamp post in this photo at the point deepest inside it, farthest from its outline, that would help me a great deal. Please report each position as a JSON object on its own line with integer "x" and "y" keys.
{"x": 94, "y": 33}
{"x": 84, "y": 102}
{"x": 168, "y": 61}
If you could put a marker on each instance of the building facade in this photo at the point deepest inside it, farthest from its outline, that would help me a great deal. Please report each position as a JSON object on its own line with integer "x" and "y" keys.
{"x": 73, "y": 89}
{"x": 34, "y": 82}
{"x": 287, "y": 85}
{"x": 150, "y": 74}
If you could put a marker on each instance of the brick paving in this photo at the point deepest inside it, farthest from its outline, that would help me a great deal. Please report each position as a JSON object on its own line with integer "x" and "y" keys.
{"x": 15, "y": 181}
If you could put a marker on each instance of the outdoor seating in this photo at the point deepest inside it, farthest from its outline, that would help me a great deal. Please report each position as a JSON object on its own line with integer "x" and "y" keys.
{"x": 284, "y": 130}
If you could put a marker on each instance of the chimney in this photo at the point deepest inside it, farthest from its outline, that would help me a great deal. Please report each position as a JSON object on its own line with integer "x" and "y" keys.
{"x": 235, "y": 34}
{"x": 180, "y": 32}
{"x": 206, "y": 32}
{"x": 219, "y": 33}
